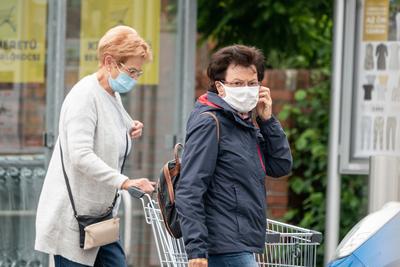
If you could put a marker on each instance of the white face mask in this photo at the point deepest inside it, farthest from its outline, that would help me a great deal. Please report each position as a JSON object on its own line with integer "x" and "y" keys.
{"x": 242, "y": 99}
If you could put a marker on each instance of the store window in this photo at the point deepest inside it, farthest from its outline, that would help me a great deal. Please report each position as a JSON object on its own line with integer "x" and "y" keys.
{"x": 33, "y": 84}
{"x": 23, "y": 41}
{"x": 154, "y": 20}
{"x": 22, "y": 75}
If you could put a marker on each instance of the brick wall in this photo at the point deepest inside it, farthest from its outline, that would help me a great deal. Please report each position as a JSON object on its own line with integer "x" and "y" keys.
{"x": 283, "y": 84}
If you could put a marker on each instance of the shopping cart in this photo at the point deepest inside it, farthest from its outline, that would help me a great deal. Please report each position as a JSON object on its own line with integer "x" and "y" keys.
{"x": 286, "y": 245}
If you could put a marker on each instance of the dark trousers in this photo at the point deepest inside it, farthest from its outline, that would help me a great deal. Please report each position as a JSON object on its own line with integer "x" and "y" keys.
{"x": 111, "y": 255}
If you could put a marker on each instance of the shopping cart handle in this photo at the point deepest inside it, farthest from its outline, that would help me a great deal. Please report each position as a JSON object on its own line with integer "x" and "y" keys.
{"x": 135, "y": 192}
{"x": 316, "y": 237}
{"x": 272, "y": 237}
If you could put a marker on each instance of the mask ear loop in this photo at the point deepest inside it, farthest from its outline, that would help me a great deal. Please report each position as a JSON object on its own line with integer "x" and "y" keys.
{"x": 223, "y": 86}
{"x": 116, "y": 64}
{"x": 109, "y": 71}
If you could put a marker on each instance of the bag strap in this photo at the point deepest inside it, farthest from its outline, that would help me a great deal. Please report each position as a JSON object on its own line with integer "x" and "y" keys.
{"x": 177, "y": 147}
{"x": 69, "y": 187}
{"x": 67, "y": 182}
{"x": 216, "y": 120}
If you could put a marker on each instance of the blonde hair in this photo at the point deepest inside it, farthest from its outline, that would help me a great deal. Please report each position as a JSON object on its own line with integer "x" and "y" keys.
{"x": 122, "y": 42}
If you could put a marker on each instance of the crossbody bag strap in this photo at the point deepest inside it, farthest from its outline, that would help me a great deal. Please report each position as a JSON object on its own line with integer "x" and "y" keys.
{"x": 122, "y": 169}
{"x": 126, "y": 153}
{"x": 67, "y": 180}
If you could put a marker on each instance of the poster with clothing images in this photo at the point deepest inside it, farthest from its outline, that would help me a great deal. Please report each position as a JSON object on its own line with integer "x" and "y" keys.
{"x": 377, "y": 116}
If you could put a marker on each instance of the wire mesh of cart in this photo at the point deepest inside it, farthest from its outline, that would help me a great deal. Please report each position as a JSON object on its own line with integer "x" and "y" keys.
{"x": 286, "y": 245}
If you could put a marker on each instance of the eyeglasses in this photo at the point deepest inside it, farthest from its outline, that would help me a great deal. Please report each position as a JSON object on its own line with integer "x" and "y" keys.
{"x": 133, "y": 72}
{"x": 241, "y": 83}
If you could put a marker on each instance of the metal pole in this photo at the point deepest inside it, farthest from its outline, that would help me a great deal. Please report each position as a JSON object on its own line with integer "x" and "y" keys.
{"x": 333, "y": 187}
{"x": 186, "y": 58}
{"x": 55, "y": 75}
{"x": 384, "y": 181}
{"x": 55, "y": 71}
{"x": 60, "y": 60}
{"x": 50, "y": 76}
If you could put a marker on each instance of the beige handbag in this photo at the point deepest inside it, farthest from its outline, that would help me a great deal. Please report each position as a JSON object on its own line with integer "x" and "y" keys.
{"x": 101, "y": 233}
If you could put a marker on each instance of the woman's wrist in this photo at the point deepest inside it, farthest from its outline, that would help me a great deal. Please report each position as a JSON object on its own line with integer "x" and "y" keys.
{"x": 266, "y": 119}
{"x": 125, "y": 184}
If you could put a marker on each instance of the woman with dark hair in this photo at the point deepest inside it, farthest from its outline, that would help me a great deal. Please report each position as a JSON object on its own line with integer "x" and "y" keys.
{"x": 221, "y": 194}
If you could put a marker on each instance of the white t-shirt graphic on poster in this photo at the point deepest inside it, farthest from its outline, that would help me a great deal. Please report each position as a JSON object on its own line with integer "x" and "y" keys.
{"x": 382, "y": 87}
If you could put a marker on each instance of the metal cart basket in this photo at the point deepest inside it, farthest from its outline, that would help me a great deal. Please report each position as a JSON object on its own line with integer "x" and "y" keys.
{"x": 286, "y": 245}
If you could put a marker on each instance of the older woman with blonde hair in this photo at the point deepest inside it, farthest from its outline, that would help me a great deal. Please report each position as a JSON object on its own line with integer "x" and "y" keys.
{"x": 85, "y": 171}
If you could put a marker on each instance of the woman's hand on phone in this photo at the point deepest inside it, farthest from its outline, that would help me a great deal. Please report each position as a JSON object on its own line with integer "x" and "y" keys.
{"x": 264, "y": 105}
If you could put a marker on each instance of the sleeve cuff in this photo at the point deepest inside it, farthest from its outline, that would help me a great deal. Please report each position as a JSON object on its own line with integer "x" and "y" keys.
{"x": 268, "y": 123}
{"x": 197, "y": 255}
{"x": 120, "y": 180}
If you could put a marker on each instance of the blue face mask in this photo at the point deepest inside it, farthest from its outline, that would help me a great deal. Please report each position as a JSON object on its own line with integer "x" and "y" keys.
{"x": 122, "y": 84}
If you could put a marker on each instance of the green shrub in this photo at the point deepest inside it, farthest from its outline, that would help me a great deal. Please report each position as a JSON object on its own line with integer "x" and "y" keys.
{"x": 308, "y": 136}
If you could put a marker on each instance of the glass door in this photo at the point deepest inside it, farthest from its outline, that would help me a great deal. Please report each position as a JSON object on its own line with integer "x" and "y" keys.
{"x": 22, "y": 123}
{"x": 46, "y": 46}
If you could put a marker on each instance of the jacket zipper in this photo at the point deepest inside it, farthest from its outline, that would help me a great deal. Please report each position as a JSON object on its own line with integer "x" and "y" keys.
{"x": 260, "y": 157}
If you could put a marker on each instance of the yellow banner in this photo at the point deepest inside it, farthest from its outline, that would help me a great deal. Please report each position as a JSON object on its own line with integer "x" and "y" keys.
{"x": 100, "y": 15}
{"x": 22, "y": 41}
{"x": 376, "y": 20}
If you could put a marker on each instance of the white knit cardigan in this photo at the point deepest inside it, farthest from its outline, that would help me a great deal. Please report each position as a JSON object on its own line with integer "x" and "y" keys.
{"x": 91, "y": 137}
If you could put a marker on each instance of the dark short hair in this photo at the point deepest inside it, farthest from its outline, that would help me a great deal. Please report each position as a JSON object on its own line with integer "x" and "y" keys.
{"x": 241, "y": 55}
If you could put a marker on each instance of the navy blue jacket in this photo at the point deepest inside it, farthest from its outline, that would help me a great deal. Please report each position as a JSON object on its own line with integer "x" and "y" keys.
{"x": 221, "y": 198}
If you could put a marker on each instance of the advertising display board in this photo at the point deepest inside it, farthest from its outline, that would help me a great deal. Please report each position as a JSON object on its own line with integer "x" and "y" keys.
{"x": 371, "y": 119}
